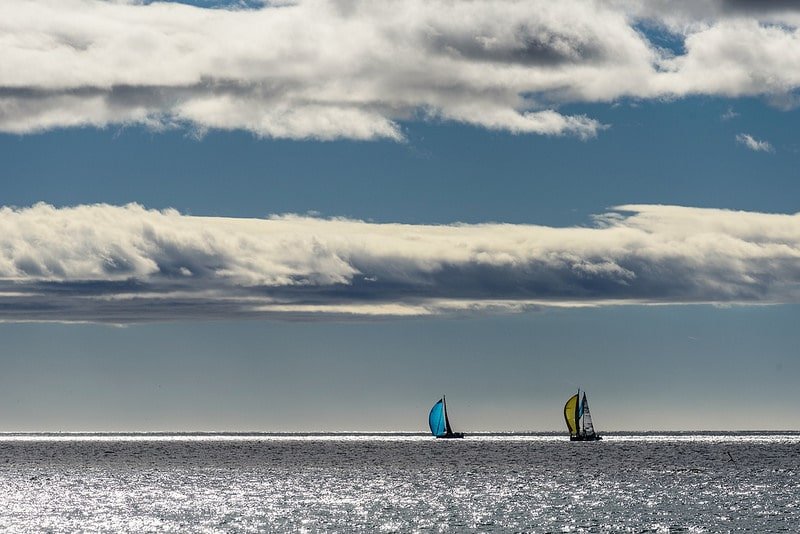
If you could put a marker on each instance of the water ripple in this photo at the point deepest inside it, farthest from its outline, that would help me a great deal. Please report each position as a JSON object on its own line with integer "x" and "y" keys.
{"x": 399, "y": 483}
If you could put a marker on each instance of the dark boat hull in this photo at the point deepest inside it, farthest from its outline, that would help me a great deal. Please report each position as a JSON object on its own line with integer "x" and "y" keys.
{"x": 451, "y": 435}
{"x": 595, "y": 437}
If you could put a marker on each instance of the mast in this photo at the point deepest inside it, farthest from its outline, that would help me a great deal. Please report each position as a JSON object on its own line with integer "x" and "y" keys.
{"x": 577, "y": 415}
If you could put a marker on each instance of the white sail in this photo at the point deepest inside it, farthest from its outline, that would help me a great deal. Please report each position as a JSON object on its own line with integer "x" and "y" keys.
{"x": 585, "y": 425}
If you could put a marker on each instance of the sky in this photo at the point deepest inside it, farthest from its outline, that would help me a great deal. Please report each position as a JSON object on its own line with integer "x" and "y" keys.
{"x": 321, "y": 216}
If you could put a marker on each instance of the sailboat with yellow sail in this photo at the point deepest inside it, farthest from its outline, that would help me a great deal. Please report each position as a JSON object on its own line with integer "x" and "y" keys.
{"x": 579, "y": 419}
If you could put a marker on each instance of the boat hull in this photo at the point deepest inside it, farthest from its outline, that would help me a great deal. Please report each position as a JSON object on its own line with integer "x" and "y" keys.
{"x": 451, "y": 435}
{"x": 586, "y": 438}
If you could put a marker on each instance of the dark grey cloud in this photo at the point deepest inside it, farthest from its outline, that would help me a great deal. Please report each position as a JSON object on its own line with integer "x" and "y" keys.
{"x": 522, "y": 45}
{"x": 759, "y": 7}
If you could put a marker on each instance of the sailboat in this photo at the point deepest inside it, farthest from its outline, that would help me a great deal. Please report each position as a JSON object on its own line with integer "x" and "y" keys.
{"x": 440, "y": 423}
{"x": 579, "y": 419}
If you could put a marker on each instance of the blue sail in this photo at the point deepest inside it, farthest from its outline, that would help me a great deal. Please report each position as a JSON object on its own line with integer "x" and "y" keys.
{"x": 436, "y": 419}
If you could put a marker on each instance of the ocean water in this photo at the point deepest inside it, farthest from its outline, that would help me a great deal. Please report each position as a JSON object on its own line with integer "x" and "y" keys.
{"x": 711, "y": 482}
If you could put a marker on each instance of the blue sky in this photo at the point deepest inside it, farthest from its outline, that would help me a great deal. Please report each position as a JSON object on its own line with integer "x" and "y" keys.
{"x": 679, "y": 152}
{"x": 724, "y": 360}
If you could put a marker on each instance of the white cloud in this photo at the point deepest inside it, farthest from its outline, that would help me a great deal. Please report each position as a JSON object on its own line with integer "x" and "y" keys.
{"x": 124, "y": 264}
{"x": 355, "y": 69}
{"x": 318, "y": 69}
{"x": 735, "y": 58}
{"x": 754, "y": 144}
{"x": 729, "y": 114}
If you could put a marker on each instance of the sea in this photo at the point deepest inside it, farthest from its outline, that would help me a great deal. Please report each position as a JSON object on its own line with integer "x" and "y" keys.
{"x": 400, "y": 482}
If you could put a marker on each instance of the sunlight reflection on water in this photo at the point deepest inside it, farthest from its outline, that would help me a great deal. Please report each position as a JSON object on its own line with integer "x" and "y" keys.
{"x": 399, "y": 483}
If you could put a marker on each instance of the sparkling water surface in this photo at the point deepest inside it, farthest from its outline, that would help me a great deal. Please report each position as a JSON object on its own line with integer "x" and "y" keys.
{"x": 680, "y": 482}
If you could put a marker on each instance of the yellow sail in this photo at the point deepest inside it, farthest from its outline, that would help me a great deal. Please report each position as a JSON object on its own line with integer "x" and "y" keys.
{"x": 570, "y": 414}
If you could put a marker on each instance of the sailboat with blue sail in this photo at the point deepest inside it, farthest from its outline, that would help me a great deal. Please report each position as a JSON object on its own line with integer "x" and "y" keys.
{"x": 579, "y": 419}
{"x": 440, "y": 423}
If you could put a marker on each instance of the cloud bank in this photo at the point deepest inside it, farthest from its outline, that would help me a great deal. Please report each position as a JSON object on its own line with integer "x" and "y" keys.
{"x": 356, "y": 69}
{"x": 124, "y": 264}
